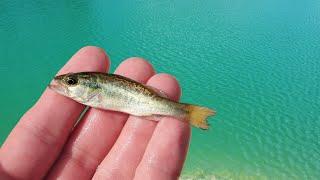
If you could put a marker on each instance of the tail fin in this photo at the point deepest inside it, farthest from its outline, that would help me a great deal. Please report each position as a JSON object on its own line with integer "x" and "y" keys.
{"x": 198, "y": 115}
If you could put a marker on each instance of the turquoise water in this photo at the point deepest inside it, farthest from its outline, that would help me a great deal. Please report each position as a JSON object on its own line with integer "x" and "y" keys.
{"x": 256, "y": 62}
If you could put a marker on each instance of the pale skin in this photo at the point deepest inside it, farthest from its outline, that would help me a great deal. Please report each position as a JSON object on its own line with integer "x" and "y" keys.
{"x": 105, "y": 144}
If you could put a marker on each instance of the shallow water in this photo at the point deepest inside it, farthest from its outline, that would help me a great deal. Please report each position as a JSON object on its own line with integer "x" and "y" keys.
{"x": 256, "y": 62}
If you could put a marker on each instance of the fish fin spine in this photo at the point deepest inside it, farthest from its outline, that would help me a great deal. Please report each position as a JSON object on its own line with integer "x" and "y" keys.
{"x": 197, "y": 115}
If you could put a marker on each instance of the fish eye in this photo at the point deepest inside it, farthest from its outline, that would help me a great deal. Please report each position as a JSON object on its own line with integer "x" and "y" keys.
{"x": 71, "y": 81}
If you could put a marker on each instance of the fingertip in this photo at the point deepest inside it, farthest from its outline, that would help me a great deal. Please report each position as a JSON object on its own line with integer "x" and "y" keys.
{"x": 133, "y": 66}
{"x": 97, "y": 54}
{"x": 138, "y": 61}
{"x": 88, "y": 58}
{"x": 167, "y": 83}
{"x": 94, "y": 50}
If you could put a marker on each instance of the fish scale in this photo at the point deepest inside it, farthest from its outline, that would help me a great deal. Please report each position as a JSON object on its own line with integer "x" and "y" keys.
{"x": 118, "y": 93}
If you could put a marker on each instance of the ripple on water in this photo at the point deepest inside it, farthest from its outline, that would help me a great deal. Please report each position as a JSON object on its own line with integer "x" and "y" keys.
{"x": 256, "y": 64}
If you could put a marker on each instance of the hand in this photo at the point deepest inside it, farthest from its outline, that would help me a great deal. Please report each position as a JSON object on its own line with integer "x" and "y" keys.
{"x": 104, "y": 144}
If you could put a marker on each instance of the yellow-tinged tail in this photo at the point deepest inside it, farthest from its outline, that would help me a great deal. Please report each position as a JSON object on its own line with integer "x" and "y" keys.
{"x": 198, "y": 115}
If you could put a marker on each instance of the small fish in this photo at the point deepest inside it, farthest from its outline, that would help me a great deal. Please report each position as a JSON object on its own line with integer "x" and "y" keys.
{"x": 118, "y": 93}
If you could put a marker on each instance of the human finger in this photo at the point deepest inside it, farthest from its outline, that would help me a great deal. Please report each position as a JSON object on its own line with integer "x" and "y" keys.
{"x": 98, "y": 130}
{"x": 37, "y": 139}
{"x": 125, "y": 155}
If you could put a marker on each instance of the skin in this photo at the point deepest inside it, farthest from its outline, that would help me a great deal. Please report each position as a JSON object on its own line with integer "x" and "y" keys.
{"x": 105, "y": 144}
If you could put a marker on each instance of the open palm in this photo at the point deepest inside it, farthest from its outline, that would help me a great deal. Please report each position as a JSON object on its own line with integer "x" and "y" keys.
{"x": 104, "y": 144}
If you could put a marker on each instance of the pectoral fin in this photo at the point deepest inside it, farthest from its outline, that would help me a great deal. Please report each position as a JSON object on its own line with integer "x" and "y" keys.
{"x": 94, "y": 96}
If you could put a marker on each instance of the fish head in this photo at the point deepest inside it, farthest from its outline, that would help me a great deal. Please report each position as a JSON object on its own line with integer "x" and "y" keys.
{"x": 78, "y": 86}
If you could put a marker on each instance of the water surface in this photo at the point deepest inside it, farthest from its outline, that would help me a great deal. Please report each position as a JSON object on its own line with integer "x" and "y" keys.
{"x": 256, "y": 62}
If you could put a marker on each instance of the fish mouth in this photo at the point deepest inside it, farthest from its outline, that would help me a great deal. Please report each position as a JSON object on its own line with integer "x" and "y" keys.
{"x": 57, "y": 87}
